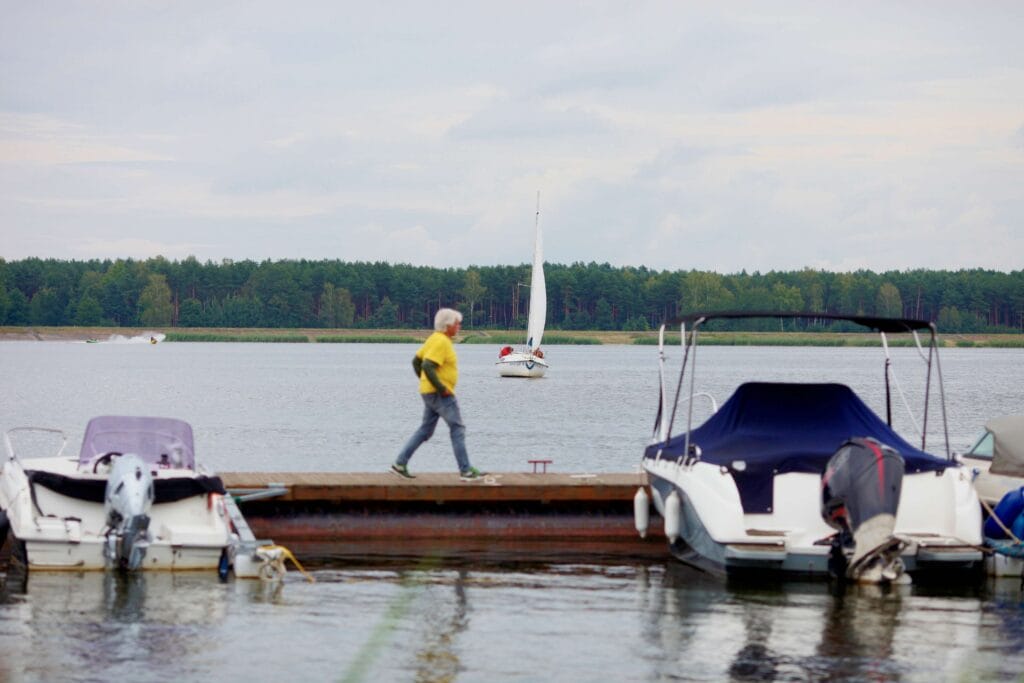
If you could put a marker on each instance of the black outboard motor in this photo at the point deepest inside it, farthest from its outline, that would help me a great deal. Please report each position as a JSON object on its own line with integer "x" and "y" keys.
{"x": 860, "y": 492}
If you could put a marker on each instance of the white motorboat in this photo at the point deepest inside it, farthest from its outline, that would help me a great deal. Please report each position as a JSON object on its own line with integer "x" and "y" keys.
{"x": 997, "y": 458}
{"x": 805, "y": 479}
{"x": 996, "y": 461}
{"x": 528, "y": 361}
{"x": 133, "y": 499}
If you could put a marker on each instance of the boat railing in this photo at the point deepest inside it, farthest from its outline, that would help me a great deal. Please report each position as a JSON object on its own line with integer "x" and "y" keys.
{"x": 46, "y": 430}
{"x": 703, "y": 394}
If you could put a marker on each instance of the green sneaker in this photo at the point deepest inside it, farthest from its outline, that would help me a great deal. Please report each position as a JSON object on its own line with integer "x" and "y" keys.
{"x": 470, "y": 474}
{"x": 402, "y": 471}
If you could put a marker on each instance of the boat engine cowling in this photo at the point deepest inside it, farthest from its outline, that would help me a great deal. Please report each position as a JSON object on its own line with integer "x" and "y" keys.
{"x": 128, "y": 499}
{"x": 860, "y": 493}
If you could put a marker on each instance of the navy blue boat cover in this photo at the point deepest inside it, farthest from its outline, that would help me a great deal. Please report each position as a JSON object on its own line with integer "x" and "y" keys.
{"x": 775, "y": 428}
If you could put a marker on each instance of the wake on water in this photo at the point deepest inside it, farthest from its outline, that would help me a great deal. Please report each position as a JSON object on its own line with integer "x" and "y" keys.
{"x": 144, "y": 338}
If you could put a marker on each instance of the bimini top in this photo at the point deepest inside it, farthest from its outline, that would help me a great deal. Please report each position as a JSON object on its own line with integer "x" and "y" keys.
{"x": 892, "y": 325}
{"x": 151, "y": 438}
{"x": 1008, "y": 445}
{"x": 773, "y": 428}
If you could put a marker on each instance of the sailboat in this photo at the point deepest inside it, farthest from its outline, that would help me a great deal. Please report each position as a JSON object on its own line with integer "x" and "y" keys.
{"x": 528, "y": 361}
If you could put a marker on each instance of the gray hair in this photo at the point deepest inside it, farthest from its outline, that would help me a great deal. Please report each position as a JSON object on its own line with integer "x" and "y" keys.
{"x": 445, "y": 318}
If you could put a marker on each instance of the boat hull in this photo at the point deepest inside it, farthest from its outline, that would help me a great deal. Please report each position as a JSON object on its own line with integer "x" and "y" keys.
{"x": 521, "y": 365}
{"x": 717, "y": 536}
{"x": 65, "y": 532}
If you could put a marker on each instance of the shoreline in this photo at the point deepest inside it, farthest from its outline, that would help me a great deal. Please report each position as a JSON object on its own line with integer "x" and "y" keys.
{"x": 496, "y": 337}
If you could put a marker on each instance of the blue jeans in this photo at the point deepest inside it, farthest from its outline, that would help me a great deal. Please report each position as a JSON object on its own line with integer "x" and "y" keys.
{"x": 447, "y": 408}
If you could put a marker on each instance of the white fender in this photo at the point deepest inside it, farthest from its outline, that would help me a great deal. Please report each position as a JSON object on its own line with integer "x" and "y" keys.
{"x": 672, "y": 507}
{"x": 641, "y": 511}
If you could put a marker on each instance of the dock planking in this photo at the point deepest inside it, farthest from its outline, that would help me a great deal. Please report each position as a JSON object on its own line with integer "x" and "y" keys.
{"x": 362, "y": 514}
{"x": 443, "y": 486}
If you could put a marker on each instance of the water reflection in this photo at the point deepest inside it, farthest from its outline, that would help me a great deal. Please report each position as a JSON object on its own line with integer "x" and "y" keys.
{"x": 112, "y": 622}
{"x": 430, "y": 620}
{"x": 437, "y": 659}
{"x": 124, "y": 596}
{"x": 816, "y": 631}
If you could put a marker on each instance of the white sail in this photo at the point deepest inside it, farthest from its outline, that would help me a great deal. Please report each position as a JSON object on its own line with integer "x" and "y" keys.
{"x": 538, "y": 292}
{"x": 529, "y": 361}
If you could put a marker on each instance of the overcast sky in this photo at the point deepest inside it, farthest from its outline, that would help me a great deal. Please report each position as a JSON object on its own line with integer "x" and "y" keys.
{"x": 710, "y": 135}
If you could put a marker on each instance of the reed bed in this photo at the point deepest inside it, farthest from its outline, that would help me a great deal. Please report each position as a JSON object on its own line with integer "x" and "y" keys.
{"x": 367, "y": 339}
{"x": 255, "y": 338}
{"x": 502, "y": 339}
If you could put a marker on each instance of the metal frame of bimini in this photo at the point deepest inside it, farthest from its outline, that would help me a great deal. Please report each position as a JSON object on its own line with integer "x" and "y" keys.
{"x": 663, "y": 429}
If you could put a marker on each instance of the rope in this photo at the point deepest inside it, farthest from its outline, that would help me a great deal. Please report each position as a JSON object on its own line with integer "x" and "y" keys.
{"x": 993, "y": 515}
{"x": 288, "y": 555}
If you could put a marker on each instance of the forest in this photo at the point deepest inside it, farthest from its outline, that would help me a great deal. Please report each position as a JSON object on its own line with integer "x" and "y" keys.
{"x": 158, "y": 292}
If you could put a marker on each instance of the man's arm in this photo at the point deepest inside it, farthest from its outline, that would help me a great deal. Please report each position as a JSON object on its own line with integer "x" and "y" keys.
{"x": 430, "y": 370}
{"x": 417, "y": 365}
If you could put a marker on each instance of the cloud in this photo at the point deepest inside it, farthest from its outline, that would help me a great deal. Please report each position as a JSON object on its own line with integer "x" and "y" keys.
{"x": 672, "y": 135}
{"x": 532, "y": 119}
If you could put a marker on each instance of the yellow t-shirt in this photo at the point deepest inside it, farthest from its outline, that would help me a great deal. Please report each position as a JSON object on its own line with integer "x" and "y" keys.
{"x": 439, "y": 349}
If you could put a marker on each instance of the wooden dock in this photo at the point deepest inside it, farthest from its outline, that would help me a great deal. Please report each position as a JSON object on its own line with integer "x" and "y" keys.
{"x": 553, "y": 516}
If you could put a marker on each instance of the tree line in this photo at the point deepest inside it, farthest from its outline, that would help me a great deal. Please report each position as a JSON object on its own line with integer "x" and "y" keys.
{"x": 158, "y": 292}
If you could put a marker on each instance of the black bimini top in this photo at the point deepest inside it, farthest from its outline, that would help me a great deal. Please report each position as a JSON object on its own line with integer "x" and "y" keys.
{"x": 878, "y": 324}
{"x": 773, "y": 428}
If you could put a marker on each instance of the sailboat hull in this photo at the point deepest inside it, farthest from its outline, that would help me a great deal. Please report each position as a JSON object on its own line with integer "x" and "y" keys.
{"x": 521, "y": 365}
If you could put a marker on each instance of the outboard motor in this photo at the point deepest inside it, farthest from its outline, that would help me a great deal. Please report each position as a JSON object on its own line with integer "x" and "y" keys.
{"x": 860, "y": 492}
{"x": 128, "y": 498}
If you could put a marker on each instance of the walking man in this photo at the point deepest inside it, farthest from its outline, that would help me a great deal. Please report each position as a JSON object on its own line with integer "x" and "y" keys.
{"x": 438, "y": 370}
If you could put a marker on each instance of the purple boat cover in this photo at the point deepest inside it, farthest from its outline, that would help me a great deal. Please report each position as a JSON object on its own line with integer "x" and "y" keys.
{"x": 151, "y": 438}
{"x": 775, "y": 428}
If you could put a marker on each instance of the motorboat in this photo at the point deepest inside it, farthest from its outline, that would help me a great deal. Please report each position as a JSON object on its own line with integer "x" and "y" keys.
{"x": 528, "y": 361}
{"x": 996, "y": 461}
{"x": 997, "y": 458}
{"x": 133, "y": 499}
{"x": 804, "y": 479}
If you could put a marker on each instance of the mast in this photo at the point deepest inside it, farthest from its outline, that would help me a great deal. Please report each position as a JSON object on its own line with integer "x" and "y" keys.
{"x": 538, "y": 294}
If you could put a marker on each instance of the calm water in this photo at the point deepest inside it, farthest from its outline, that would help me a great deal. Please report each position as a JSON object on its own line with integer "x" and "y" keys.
{"x": 350, "y": 407}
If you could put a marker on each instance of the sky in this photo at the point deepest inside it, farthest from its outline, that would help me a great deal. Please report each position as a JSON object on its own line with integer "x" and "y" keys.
{"x": 721, "y": 136}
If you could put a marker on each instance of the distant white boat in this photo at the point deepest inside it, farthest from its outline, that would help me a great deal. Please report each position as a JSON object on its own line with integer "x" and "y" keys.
{"x": 528, "y": 361}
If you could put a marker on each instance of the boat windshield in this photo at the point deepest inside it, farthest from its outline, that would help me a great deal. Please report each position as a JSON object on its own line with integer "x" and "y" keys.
{"x": 160, "y": 441}
{"x": 982, "y": 448}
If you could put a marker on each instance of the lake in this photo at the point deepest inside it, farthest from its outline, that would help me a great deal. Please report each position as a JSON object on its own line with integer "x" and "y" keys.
{"x": 350, "y": 407}
{"x": 274, "y": 407}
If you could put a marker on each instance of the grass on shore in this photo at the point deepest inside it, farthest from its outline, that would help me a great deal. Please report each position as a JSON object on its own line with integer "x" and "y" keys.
{"x": 365, "y": 339}
{"x": 514, "y": 338}
{"x": 213, "y": 337}
{"x": 777, "y": 339}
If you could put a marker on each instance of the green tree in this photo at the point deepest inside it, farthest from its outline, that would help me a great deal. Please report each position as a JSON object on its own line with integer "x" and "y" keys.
{"x": 121, "y": 289}
{"x": 17, "y": 307}
{"x": 241, "y": 311}
{"x": 702, "y": 291}
{"x": 950, "y": 319}
{"x": 45, "y": 308}
{"x": 472, "y": 291}
{"x": 786, "y": 297}
{"x": 386, "y": 315}
{"x": 603, "y": 315}
{"x": 88, "y": 311}
{"x": 336, "y": 307}
{"x": 889, "y": 303}
{"x": 190, "y": 313}
{"x": 5, "y": 303}
{"x": 155, "y": 307}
